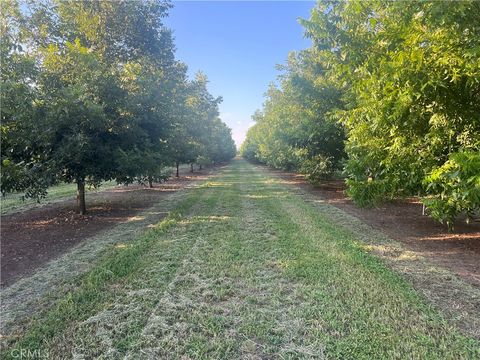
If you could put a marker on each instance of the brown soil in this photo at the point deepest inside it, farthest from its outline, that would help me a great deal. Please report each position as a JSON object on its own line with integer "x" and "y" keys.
{"x": 31, "y": 238}
{"x": 402, "y": 220}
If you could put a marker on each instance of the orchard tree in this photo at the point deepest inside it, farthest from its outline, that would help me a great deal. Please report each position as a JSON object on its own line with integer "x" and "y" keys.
{"x": 222, "y": 146}
{"x": 400, "y": 82}
{"x": 191, "y": 136}
{"x": 153, "y": 103}
{"x": 82, "y": 136}
{"x": 84, "y": 51}
{"x": 91, "y": 91}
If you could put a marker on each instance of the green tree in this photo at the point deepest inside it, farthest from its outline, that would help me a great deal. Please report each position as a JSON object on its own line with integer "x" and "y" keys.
{"x": 82, "y": 136}
{"x": 194, "y": 136}
{"x": 400, "y": 83}
{"x": 84, "y": 107}
{"x": 91, "y": 91}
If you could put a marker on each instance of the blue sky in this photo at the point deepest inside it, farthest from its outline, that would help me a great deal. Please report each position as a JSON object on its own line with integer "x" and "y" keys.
{"x": 237, "y": 44}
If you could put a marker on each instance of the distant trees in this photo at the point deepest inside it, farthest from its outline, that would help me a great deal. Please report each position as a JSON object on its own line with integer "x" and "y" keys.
{"x": 91, "y": 91}
{"x": 406, "y": 83}
{"x": 295, "y": 130}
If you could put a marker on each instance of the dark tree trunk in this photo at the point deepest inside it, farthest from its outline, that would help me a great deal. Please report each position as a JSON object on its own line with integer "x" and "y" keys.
{"x": 191, "y": 167}
{"x": 200, "y": 167}
{"x": 150, "y": 182}
{"x": 177, "y": 164}
{"x": 82, "y": 208}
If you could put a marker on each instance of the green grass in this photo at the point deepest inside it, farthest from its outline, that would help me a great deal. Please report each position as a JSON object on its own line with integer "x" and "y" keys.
{"x": 243, "y": 268}
{"x": 15, "y": 202}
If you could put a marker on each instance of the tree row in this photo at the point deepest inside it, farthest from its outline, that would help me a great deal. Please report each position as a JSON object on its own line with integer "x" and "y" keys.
{"x": 91, "y": 91}
{"x": 388, "y": 96}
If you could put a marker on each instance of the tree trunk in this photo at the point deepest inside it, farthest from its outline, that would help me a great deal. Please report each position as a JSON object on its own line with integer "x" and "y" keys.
{"x": 177, "y": 168}
{"x": 150, "y": 182}
{"x": 200, "y": 167}
{"x": 191, "y": 167}
{"x": 82, "y": 208}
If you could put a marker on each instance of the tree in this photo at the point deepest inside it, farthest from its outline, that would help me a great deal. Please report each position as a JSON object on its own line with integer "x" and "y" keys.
{"x": 455, "y": 188}
{"x": 194, "y": 133}
{"x": 19, "y": 157}
{"x": 83, "y": 136}
{"x": 82, "y": 107}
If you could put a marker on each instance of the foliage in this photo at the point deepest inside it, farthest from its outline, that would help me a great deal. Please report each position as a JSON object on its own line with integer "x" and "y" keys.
{"x": 316, "y": 169}
{"x": 412, "y": 71}
{"x": 455, "y": 188}
{"x": 368, "y": 193}
{"x": 200, "y": 136}
{"x": 19, "y": 157}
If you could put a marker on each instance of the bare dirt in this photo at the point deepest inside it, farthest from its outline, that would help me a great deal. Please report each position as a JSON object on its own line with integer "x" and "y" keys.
{"x": 33, "y": 237}
{"x": 402, "y": 220}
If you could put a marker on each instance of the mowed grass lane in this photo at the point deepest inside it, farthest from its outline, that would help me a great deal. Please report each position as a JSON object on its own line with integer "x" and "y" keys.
{"x": 244, "y": 268}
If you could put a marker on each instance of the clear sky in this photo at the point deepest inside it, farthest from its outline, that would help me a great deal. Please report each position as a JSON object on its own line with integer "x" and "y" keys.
{"x": 237, "y": 44}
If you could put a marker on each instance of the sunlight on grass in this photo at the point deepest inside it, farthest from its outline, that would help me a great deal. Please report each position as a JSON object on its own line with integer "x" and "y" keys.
{"x": 392, "y": 252}
{"x": 213, "y": 184}
{"x": 272, "y": 194}
{"x": 136, "y": 218}
{"x": 281, "y": 264}
{"x": 257, "y": 196}
{"x": 408, "y": 255}
{"x": 203, "y": 219}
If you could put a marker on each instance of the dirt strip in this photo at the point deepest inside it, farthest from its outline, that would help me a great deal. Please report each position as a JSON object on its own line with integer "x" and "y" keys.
{"x": 34, "y": 237}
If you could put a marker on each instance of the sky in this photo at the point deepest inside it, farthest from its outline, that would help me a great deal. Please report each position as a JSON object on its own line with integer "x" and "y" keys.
{"x": 237, "y": 45}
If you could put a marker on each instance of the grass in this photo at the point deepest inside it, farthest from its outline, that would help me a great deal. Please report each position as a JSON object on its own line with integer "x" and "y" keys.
{"x": 15, "y": 202}
{"x": 243, "y": 268}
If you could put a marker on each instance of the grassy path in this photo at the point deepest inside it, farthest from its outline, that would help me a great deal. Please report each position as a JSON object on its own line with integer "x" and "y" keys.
{"x": 243, "y": 268}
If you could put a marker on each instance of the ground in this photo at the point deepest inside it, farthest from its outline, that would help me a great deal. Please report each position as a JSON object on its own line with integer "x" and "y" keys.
{"x": 32, "y": 238}
{"x": 243, "y": 266}
{"x": 457, "y": 250}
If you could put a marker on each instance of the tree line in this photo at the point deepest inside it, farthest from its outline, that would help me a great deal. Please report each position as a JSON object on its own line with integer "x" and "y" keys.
{"x": 91, "y": 91}
{"x": 387, "y": 96}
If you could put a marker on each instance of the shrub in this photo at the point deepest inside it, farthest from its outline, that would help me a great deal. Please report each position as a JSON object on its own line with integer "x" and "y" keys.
{"x": 368, "y": 193}
{"x": 454, "y": 188}
{"x": 317, "y": 168}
